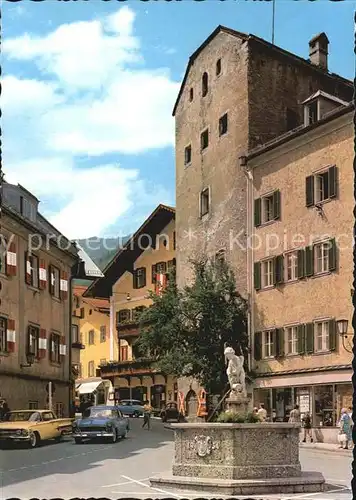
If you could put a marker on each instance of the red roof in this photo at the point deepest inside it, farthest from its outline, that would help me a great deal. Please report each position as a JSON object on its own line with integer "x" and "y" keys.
{"x": 78, "y": 290}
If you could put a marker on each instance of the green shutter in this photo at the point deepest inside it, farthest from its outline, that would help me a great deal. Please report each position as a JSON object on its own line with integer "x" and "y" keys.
{"x": 258, "y": 346}
{"x": 257, "y": 275}
{"x": 134, "y": 279}
{"x": 301, "y": 339}
{"x": 332, "y": 255}
{"x": 332, "y": 182}
{"x": 309, "y": 191}
{"x": 280, "y": 342}
{"x": 258, "y": 212}
{"x": 309, "y": 261}
{"x": 277, "y": 205}
{"x": 301, "y": 263}
{"x": 278, "y": 269}
{"x": 332, "y": 335}
{"x": 153, "y": 273}
{"x": 144, "y": 277}
{"x": 309, "y": 338}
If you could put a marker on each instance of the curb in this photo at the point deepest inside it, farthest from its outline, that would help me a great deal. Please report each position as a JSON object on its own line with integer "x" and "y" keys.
{"x": 332, "y": 448}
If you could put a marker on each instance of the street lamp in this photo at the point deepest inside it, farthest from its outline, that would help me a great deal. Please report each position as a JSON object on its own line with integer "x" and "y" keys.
{"x": 30, "y": 358}
{"x": 128, "y": 296}
{"x": 342, "y": 325}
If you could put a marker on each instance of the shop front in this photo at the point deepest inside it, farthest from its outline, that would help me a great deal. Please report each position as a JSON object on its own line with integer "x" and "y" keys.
{"x": 322, "y": 398}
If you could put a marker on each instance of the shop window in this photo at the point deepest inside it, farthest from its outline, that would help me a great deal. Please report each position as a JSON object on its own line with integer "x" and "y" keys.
{"x": 291, "y": 340}
{"x": 325, "y": 414}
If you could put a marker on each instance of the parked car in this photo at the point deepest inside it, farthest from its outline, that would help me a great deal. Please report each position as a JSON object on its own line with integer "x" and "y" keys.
{"x": 131, "y": 407}
{"x": 171, "y": 412}
{"x": 101, "y": 422}
{"x": 33, "y": 426}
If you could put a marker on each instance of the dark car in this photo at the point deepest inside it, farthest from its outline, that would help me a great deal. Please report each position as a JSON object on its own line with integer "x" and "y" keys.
{"x": 171, "y": 412}
{"x": 101, "y": 422}
{"x": 131, "y": 407}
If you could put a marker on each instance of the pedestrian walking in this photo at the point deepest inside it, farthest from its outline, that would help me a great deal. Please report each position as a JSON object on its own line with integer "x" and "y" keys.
{"x": 345, "y": 434}
{"x": 294, "y": 417}
{"x": 262, "y": 413}
{"x": 147, "y": 410}
{"x": 307, "y": 428}
{"x": 4, "y": 408}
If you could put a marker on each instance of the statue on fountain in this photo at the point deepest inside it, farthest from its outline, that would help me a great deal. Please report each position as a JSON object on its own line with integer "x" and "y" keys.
{"x": 235, "y": 373}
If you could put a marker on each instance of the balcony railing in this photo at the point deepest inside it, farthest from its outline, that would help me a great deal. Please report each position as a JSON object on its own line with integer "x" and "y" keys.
{"x": 127, "y": 366}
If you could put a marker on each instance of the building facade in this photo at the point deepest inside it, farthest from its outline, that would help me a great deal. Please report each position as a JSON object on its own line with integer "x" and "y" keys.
{"x": 302, "y": 242}
{"x": 91, "y": 320}
{"x": 238, "y": 92}
{"x": 35, "y": 337}
{"x": 142, "y": 265}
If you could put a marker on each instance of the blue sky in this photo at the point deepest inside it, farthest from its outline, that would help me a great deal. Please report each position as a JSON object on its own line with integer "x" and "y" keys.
{"x": 89, "y": 87}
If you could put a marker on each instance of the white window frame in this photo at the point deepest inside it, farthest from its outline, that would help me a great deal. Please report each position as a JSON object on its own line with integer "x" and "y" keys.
{"x": 319, "y": 187}
{"x": 267, "y": 283}
{"x": 91, "y": 368}
{"x": 59, "y": 407}
{"x": 324, "y": 257}
{"x": 291, "y": 266}
{"x": 140, "y": 277}
{"x": 291, "y": 340}
{"x": 264, "y": 199}
{"x": 324, "y": 337}
{"x": 267, "y": 344}
{"x": 91, "y": 337}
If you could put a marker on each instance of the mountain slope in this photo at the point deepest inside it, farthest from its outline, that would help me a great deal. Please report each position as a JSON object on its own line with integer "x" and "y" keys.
{"x": 102, "y": 250}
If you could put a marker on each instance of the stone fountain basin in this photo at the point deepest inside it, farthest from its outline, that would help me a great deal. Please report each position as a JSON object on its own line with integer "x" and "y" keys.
{"x": 239, "y": 459}
{"x": 236, "y": 451}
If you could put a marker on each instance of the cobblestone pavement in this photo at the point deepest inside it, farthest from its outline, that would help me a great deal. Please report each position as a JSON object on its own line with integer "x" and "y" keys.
{"x": 67, "y": 470}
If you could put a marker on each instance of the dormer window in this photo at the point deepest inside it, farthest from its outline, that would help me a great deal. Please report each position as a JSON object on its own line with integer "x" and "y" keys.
{"x": 312, "y": 109}
{"x": 27, "y": 209}
{"x": 319, "y": 105}
{"x": 204, "y": 84}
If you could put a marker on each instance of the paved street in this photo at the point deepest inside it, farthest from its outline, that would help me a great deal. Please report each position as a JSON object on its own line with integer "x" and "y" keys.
{"x": 122, "y": 470}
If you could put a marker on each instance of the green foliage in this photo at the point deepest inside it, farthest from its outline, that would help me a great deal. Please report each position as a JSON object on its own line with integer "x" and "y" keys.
{"x": 185, "y": 330}
{"x": 234, "y": 418}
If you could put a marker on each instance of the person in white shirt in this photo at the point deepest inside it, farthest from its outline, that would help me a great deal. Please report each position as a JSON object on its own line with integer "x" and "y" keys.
{"x": 262, "y": 413}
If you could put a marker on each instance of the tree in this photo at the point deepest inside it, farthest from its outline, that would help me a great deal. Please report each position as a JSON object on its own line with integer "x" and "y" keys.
{"x": 185, "y": 331}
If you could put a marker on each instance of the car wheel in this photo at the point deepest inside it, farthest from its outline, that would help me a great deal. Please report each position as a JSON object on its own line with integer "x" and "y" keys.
{"x": 136, "y": 414}
{"x": 114, "y": 436}
{"x": 124, "y": 436}
{"x": 78, "y": 440}
{"x": 34, "y": 439}
{"x": 59, "y": 438}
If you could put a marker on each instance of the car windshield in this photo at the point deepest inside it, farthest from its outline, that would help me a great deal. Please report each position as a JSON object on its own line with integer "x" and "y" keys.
{"x": 22, "y": 416}
{"x": 97, "y": 413}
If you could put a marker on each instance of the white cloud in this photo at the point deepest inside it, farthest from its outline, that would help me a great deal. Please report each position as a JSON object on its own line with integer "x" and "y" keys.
{"x": 95, "y": 97}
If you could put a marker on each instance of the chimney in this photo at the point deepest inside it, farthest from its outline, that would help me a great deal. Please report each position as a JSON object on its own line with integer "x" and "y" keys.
{"x": 318, "y": 51}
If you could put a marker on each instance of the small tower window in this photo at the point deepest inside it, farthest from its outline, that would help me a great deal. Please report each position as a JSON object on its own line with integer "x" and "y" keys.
{"x": 204, "y": 84}
{"x": 191, "y": 94}
{"x": 218, "y": 67}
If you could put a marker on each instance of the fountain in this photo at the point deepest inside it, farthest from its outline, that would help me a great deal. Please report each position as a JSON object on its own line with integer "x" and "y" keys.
{"x": 238, "y": 459}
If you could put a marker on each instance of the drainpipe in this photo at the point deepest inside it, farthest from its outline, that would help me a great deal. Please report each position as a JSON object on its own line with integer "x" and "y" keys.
{"x": 250, "y": 258}
{"x": 75, "y": 271}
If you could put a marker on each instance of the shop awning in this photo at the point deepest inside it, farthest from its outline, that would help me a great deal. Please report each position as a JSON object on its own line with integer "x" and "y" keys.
{"x": 88, "y": 387}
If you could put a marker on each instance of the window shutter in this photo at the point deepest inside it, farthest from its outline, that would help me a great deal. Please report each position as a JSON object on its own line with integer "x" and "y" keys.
{"x": 43, "y": 274}
{"x": 27, "y": 269}
{"x": 332, "y": 255}
{"x": 309, "y": 191}
{"x": 277, "y": 205}
{"x": 144, "y": 277}
{"x": 258, "y": 212}
{"x": 51, "y": 282}
{"x": 257, "y": 275}
{"x": 278, "y": 269}
{"x": 11, "y": 260}
{"x": 153, "y": 273}
{"x": 309, "y": 338}
{"x": 42, "y": 344}
{"x": 258, "y": 346}
{"x": 62, "y": 348}
{"x": 63, "y": 285}
{"x": 301, "y": 263}
{"x": 279, "y": 334}
{"x": 274, "y": 343}
{"x": 309, "y": 261}
{"x": 10, "y": 336}
{"x": 332, "y": 182}
{"x": 134, "y": 279}
{"x": 301, "y": 339}
{"x": 332, "y": 335}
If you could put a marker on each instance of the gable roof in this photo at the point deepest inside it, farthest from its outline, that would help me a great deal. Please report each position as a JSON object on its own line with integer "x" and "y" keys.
{"x": 90, "y": 268}
{"x": 260, "y": 41}
{"x": 127, "y": 255}
{"x": 98, "y": 304}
